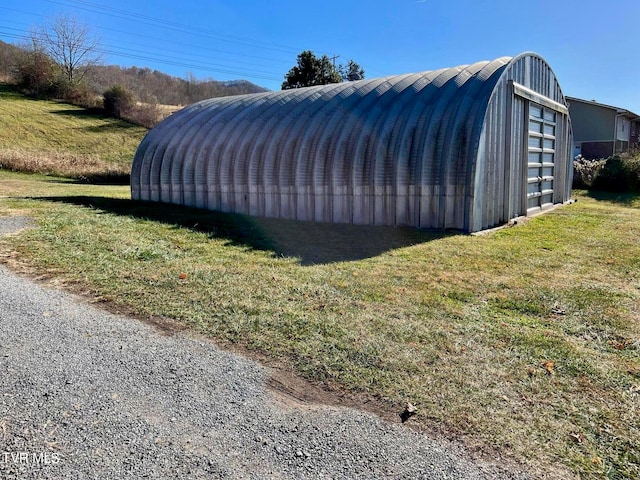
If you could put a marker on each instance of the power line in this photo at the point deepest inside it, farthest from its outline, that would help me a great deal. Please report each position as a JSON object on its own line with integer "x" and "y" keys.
{"x": 148, "y": 37}
{"x": 171, "y": 61}
{"x": 199, "y": 64}
{"x": 180, "y": 28}
{"x": 115, "y": 49}
{"x": 174, "y": 26}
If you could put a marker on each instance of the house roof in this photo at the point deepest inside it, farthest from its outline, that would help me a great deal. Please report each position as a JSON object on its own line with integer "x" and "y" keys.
{"x": 620, "y": 111}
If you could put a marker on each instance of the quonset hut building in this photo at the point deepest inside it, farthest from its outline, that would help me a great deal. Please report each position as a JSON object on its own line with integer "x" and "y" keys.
{"x": 469, "y": 148}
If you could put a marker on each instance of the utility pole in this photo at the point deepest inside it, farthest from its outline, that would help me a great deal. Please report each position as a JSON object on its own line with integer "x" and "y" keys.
{"x": 333, "y": 59}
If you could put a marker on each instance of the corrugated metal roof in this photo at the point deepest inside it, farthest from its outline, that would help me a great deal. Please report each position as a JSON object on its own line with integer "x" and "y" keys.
{"x": 381, "y": 151}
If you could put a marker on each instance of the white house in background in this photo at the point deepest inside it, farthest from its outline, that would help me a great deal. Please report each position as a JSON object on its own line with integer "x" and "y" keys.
{"x": 600, "y": 130}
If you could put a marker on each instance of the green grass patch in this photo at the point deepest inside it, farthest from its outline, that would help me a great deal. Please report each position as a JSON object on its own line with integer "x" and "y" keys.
{"x": 61, "y": 139}
{"x": 524, "y": 340}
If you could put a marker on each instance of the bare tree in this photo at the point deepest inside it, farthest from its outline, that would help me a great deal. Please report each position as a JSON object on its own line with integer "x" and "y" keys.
{"x": 71, "y": 44}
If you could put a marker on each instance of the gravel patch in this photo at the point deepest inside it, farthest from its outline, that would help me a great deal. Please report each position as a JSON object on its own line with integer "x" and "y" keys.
{"x": 13, "y": 224}
{"x": 89, "y": 394}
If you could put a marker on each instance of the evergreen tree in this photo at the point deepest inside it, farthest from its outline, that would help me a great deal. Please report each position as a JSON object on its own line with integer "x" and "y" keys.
{"x": 312, "y": 70}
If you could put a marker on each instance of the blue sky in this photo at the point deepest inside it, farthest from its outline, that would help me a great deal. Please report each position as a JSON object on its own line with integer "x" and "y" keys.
{"x": 592, "y": 45}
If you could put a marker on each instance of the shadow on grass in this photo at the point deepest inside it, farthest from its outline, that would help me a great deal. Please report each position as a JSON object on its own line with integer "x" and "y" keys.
{"x": 100, "y": 178}
{"x": 114, "y": 125}
{"x": 626, "y": 199}
{"x": 99, "y": 114}
{"x": 9, "y": 88}
{"x": 81, "y": 112}
{"x": 313, "y": 243}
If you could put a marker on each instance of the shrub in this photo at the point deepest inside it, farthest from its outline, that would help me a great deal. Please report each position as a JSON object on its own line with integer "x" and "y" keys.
{"x": 79, "y": 94}
{"x": 118, "y": 101}
{"x": 586, "y": 172}
{"x": 37, "y": 74}
{"x": 620, "y": 173}
{"x": 145, "y": 114}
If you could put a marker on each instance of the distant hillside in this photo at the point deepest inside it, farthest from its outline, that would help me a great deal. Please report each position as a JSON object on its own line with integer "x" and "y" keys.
{"x": 8, "y": 53}
{"x": 149, "y": 86}
{"x": 152, "y": 86}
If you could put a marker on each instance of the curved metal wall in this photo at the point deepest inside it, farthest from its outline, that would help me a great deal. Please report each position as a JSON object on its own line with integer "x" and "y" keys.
{"x": 398, "y": 150}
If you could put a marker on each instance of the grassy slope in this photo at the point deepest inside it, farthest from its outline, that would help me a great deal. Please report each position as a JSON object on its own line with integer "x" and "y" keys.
{"x": 57, "y": 137}
{"x": 525, "y": 340}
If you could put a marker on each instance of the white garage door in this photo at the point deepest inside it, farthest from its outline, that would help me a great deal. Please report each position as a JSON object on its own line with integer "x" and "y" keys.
{"x": 541, "y": 157}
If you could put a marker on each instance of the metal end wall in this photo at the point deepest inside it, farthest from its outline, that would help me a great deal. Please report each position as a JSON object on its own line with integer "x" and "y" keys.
{"x": 501, "y": 170}
{"x": 399, "y": 150}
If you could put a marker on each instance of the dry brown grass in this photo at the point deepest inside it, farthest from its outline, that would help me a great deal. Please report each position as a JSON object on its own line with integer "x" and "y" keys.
{"x": 85, "y": 167}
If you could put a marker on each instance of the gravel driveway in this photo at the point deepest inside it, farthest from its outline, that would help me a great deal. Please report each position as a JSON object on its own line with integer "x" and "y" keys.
{"x": 88, "y": 394}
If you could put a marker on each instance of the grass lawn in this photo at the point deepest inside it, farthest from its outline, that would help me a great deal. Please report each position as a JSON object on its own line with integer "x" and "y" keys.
{"x": 58, "y": 138}
{"x": 524, "y": 341}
